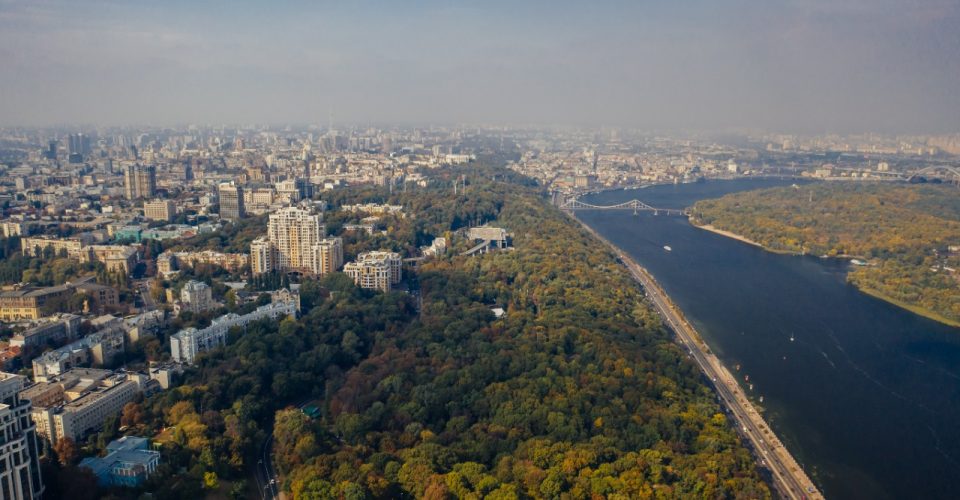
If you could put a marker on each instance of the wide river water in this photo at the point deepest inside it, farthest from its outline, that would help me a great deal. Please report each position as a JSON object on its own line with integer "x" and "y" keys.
{"x": 864, "y": 394}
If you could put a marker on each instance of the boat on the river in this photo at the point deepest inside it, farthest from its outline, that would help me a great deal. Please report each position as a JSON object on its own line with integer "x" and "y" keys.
{"x": 667, "y": 248}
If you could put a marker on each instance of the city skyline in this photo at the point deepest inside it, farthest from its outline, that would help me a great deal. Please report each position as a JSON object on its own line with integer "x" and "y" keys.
{"x": 811, "y": 67}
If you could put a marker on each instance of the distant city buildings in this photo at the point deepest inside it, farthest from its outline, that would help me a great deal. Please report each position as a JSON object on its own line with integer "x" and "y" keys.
{"x": 139, "y": 181}
{"x": 375, "y": 270}
{"x": 373, "y": 208}
{"x": 162, "y": 210}
{"x": 231, "y": 201}
{"x": 295, "y": 242}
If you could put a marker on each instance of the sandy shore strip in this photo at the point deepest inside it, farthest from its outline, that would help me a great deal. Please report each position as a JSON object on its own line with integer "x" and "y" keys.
{"x": 728, "y": 234}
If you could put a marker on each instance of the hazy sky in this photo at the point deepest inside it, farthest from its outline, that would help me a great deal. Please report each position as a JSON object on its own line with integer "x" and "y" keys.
{"x": 790, "y": 65}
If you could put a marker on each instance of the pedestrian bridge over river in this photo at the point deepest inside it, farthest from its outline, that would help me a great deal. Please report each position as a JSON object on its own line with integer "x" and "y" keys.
{"x": 635, "y": 205}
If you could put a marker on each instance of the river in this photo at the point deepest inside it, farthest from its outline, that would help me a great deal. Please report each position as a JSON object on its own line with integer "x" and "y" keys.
{"x": 864, "y": 394}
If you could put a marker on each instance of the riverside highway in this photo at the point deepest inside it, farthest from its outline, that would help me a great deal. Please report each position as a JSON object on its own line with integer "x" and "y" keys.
{"x": 789, "y": 479}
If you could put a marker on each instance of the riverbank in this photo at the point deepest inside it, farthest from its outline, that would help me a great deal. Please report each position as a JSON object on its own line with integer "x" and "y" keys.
{"x": 920, "y": 311}
{"x": 789, "y": 478}
{"x": 728, "y": 234}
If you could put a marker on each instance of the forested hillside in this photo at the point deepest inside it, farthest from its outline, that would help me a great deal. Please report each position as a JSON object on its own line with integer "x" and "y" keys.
{"x": 910, "y": 235}
{"x": 577, "y": 391}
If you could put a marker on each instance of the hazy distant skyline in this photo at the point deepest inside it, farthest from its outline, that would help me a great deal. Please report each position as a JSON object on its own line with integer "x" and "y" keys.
{"x": 794, "y": 66}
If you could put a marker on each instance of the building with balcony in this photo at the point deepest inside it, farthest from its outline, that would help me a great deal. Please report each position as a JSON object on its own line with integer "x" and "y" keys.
{"x": 19, "y": 453}
{"x": 375, "y": 270}
{"x": 295, "y": 242}
{"x": 187, "y": 344}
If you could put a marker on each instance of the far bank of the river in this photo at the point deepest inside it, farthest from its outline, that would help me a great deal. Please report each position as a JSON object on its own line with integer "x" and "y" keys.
{"x": 926, "y": 313}
{"x": 921, "y": 311}
{"x": 735, "y": 236}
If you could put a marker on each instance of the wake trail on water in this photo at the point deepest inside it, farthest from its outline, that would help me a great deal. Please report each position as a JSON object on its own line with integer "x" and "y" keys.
{"x": 940, "y": 450}
{"x": 832, "y": 364}
{"x": 870, "y": 377}
{"x": 937, "y": 368}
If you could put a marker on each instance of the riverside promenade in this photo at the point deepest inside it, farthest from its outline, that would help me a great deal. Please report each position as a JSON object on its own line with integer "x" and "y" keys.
{"x": 789, "y": 479}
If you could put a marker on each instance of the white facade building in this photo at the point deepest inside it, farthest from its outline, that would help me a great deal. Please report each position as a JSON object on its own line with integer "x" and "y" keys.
{"x": 186, "y": 344}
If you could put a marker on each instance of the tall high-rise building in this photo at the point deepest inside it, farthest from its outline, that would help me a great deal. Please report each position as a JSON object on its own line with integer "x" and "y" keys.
{"x": 78, "y": 147}
{"x": 231, "y": 201}
{"x": 294, "y": 231}
{"x": 188, "y": 170}
{"x": 327, "y": 256}
{"x": 261, "y": 256}
{"x": 295, "y": 241}
{"x": 19, "y": 454}
{"x": 51, "y": 152}
{"x": 139, "y": 181}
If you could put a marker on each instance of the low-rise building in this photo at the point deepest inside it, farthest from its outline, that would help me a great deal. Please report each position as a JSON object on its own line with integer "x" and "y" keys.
{"x": 187, "y": 344}
{"x": 171, "y": 261}
{"x": 78, "y": 401}
{"x": 11, "y": 228}
{"x": 494, "y": 236}
{"x": 116, "y": 258}
{"x": 28, "y": 302}
{"x": 373, "y": 208}
{"x": 163, "y": 210}
{"x": 437, "y": 247}
{"x": 98, "y": 348}
{"x": 35, "y": 246}
{"x": 129, "y": 462}
{"x": 54, "y": 330}
{"x": 101, "y": 298}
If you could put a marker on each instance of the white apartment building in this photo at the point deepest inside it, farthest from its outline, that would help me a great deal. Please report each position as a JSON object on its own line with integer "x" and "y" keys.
{"x": 186, "y": 344}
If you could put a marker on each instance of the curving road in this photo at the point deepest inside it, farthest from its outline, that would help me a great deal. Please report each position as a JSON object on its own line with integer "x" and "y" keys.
{"x": 790, "y": 481}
